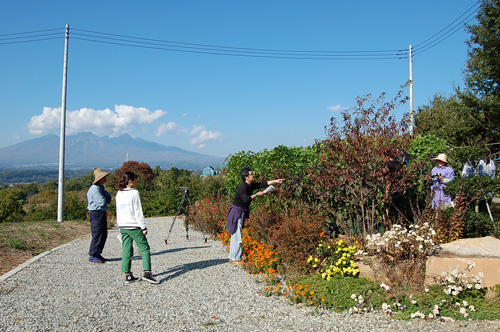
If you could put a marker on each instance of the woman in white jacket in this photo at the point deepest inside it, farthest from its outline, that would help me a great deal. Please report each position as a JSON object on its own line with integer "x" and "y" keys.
{"x": 132, "y": 226}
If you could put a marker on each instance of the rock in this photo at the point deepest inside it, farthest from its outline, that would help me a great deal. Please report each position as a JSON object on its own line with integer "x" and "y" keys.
{"x": 478, "y": 247}
{"x": 495, "y": 204}
{"x": 367, "y": 272}
{"x": 484, "y": 252}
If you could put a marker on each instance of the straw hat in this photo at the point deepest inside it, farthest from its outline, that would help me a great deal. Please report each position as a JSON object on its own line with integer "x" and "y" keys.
{"x": 441, "y": 157}
{"x": 99, "y": 174}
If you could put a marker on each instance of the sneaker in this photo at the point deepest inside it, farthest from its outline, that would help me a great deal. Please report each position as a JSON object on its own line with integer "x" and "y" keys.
{"x": 148, "y": 276}
{"x": 129, "y": 277}
{"x": 94, "y": 259}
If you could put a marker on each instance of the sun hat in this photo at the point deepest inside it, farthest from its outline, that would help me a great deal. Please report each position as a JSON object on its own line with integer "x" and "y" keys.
{"x": 441, "y": 157}
{"x": 99, "y": 174}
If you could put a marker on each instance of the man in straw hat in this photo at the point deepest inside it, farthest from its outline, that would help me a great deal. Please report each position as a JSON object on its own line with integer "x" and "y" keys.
{"x": 441, "y": 174}
{"x": 98, "y": 199}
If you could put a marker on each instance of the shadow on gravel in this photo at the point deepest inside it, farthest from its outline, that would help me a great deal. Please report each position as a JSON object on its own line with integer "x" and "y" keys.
{"x": 181, "y": 269}
{"x": 176, "y": 250}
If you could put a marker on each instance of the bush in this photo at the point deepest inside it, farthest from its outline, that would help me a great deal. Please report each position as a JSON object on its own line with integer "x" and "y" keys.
{"x": 11, "y": 205}
{"x": 75, "y": 206}
{"x": 212, "y": 214}
{"x": 296, "y": 234}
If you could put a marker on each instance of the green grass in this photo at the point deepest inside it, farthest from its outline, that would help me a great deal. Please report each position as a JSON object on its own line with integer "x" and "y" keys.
{"x": 16, "y": 243}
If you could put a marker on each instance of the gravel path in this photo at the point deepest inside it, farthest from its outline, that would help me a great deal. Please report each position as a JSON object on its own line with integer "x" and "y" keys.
{"x": 199, "y": 291}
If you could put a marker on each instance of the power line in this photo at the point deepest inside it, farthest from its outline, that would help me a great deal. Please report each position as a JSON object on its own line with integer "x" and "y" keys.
{"x": 30, "y": 41}
{"x": 31, "y": 32}
{"x": 228, "y": 47}
{"x": 30, "y": 36}
{"x": 166, "y": 45}
{"x": 447, "y": 31}
{"x": 174, "y": 46}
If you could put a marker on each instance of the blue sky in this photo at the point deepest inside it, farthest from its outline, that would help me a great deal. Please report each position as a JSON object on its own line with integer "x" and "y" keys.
{"x": 216, "y": 104}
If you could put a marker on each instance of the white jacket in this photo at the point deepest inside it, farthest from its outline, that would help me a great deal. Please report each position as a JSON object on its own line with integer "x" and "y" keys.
{"x": 129, "y": 210}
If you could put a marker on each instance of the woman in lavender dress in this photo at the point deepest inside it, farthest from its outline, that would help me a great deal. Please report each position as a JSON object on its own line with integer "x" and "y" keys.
{"x": 441, "y": 174}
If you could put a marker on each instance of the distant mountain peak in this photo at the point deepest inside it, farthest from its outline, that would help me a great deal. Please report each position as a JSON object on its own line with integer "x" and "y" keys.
{"x": 86, "y": 150}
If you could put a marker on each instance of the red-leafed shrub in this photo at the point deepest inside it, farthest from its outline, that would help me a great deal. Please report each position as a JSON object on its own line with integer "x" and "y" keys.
{"x": 296, "y": 235}
{"x": 213, "y": 214}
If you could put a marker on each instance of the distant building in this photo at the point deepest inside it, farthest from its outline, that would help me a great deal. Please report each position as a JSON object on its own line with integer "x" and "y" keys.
{"x": 209, "y": 171}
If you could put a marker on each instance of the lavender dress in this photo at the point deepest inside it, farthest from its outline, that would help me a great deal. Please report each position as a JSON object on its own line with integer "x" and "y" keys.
{"x": 438, "y": 196}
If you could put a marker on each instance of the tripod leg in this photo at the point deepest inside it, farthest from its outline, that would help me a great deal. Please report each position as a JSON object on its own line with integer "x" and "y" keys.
{"x": 197, "y": 219}
{"x": 175, "y": 218}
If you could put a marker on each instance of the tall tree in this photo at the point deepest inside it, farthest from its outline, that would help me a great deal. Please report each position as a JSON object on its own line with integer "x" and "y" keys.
{"x": 449, "y": 119}
{"x": 482, "y": 72}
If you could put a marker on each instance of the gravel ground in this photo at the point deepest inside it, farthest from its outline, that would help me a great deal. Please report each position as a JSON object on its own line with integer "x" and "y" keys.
{"x": 199, "y": 291}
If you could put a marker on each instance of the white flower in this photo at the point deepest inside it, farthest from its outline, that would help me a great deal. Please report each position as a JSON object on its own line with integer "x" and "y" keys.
{"x": 463, "y": 311}
{"x": 478, "y": 286}
{"x": 353, "y": 296}
{"x": 471, "y": 308}
{"x": 431, "y": 316}
{"x": 465, "y": 303}
{"x": 481, "y": 274}
{"x": 427, "y": 290}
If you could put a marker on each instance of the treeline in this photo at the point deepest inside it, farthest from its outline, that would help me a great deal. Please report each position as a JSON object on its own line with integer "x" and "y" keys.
{"x": 12, "y": 177}
{"x": 160, "y": 190}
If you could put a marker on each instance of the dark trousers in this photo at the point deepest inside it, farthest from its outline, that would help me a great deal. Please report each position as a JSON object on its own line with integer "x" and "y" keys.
{"x": 99, "y": 229}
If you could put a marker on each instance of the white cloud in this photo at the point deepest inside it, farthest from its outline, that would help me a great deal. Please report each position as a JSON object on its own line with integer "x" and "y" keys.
{"x": 197, "y": 129}
{"x": 99, "y": 122}
{"x": 167, "y": 128}
{"x": 202, "y": 136}
{"x": 336, "y": 108}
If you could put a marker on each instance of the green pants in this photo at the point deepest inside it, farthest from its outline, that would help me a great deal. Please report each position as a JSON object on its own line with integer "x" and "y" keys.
{"x": 129, "y": 235}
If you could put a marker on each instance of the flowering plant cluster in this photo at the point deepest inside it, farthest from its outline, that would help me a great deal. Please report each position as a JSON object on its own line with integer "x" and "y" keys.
{"x": 336, "y": 258}
{"x": 257, "y": 256}
{"x": 303, "y": 294}
{"x": 212, "y": 214}
{"x": 399, "y": 243}
{"x": 457, "y": 282}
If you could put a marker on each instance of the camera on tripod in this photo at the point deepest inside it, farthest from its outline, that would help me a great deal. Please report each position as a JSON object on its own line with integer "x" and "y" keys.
{"x": 189, "y": 210}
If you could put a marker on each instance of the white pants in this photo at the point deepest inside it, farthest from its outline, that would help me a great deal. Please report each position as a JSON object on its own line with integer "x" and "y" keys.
{"x": 236, "y": 244}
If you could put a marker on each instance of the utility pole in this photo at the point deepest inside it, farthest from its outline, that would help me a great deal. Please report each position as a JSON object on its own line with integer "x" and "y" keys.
{"x": 412, "y": 115}
{"x": 60, "y": 194}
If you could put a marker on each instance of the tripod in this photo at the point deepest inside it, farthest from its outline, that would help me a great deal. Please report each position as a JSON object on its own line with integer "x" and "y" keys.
{"x": 186, "y": 212}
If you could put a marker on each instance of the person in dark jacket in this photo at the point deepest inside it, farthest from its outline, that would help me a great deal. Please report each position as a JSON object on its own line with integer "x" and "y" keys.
{"x": 240, "y": 209}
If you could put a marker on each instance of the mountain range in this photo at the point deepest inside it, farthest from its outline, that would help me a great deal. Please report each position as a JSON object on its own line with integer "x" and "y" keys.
{"x": 87, "y": 151}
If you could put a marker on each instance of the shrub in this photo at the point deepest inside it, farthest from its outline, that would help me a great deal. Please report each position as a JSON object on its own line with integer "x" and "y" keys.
{"x": 296, "y": 234}
{"x": 212, "y": 214}
{"x": 401, "y": 253}
{"x": 349, "y": 179}
{"x": 75, "y": 206}
{"x": 11, "y": 205}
